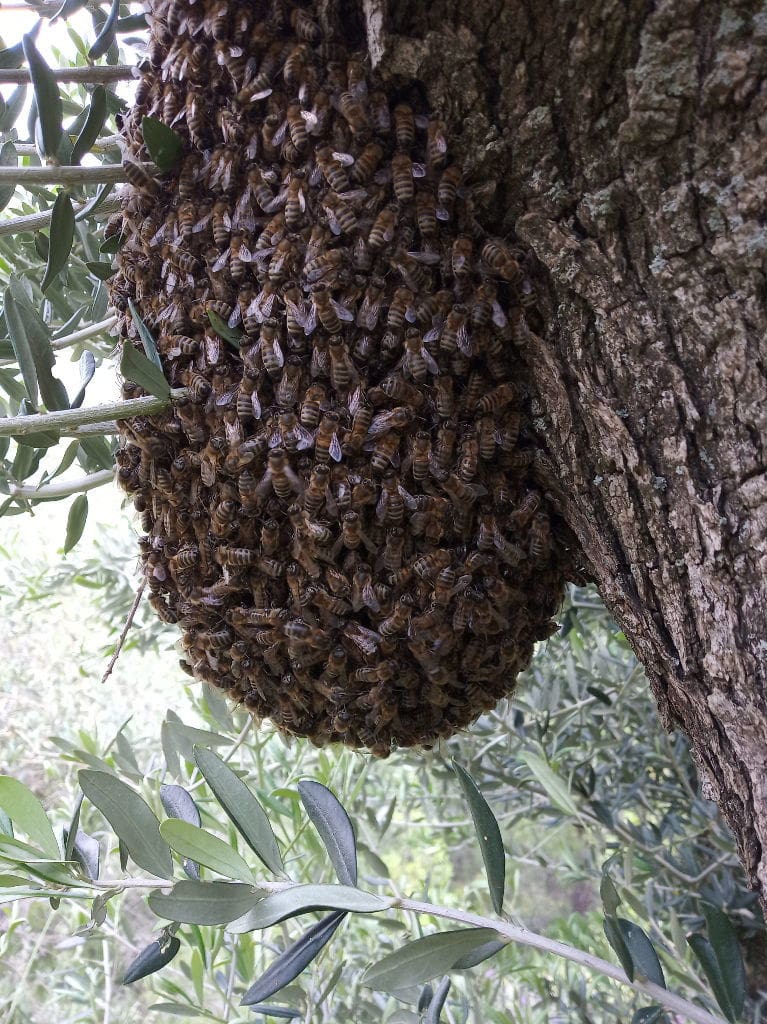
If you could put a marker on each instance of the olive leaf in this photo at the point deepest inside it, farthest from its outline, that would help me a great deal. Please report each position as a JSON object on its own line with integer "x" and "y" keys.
{"x": 164, "y": 145}
{"x": 151, "y": 959}
{"x": 300, "y": 899}
{"x": 425, "y": 958}
{"x": 47, "y": 100}
{"x": 106, "y": 36}
{"x": 27, "y": 813}
{"x": 489, "y": 835}
{"x": 203, "y": 848}
{"x": 8, "y": 158}
{"x": 94, "y": 122}
{"x": 76, "y": 519}
{"x": 233, "y": 335}
{"x": 135, "y": 366}
{"x": 205, "y": 903}
{"x": 334, "y": 826}
{"x": 292, "y": 962}
{"x": 61, "y": 236}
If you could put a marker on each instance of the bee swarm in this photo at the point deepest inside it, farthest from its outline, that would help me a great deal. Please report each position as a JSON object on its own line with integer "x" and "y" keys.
{"x": 341, "y": 517}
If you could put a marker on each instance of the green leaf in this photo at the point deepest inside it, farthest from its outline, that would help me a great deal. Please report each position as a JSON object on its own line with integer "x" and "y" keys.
{"x": 425, "y": 958}
{"x": 86, "y": 851}
{"x": 87, "y": 367}
{"x": 212, "y": 903}
{"x": 135, "y": 366}
{"x": 147, "y": 340}
{"x": 179, "y": 804}
{"x": 94, "y": 122}
{"x": 292, "y": 962}
{"x": 724, "y": 942}
{"x": 437, "y": 1002}
{"x": 103, "y": 271}
{"x": 643, "y": 955}
{"x": 78, "y": 514}
{"x": 489, "y": 835}
{"x": 13, "y": 107}
{"x": 649, "y": 1015}
{"x": 231, "y": 334}
{"x": 609, "y": 894}
{"x": 241, "y": 806}
{"x": 40, "y": 439}
{"x": 282, "y": 1012}
{"x": 61, "y": 236}
{"x": 47, "y": 98}
{"x": 300, "y": 899}
{"x": 106, "y": 36}
{"x": 204, "y": 848}
{"x": 96, "y": 453}
{"x": 12, "y": 56}
{"x": 477, "y": 956}
{"x": 165, "y": 146}
{"x": 556, "y": 790}
{"x": 131, "y": 818}
{"x": 614, "y": 936}
{"x": 151, "y": 959}
{"x": 32, "y": 345}
{"x": 93, "y": 204}
{"x": 8, "y": 158}
{"x": 335, "y": 828}
{"x": 27, "y": 813}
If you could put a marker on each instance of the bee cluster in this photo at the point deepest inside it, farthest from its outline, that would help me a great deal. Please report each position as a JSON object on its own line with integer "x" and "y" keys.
{"x": 341, "y": 516}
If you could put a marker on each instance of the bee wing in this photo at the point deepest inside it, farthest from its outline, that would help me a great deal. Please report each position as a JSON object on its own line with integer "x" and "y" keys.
{"x": 499, "y": 317}
{"x": 245, "y": 254}
{"x": 224, "y": 399}
{"x": 335, "y": 227}
{"x": 344, "y": 158}
{"x": 201, "y": 224}
{"x": 354, "y": 400}
{"x": 335, "y": 449}
{"x": 305, "y": 437}
{"x": 442, "y": 213}
{"x": 275, "y": 439}
{"x": 235, "y": 317}
{"x": 315, "y": 175}
{"x": 222, "y": 260}
{"x": 342, "y": 312}
{"x": 278, "y": 201}
{"x": 425, "y": 257}
{"x": 311, "y": 119}
{"x": 310, "y": 321}
{"x": 279, "y": 135}
{"x": 419, "y": 170}
{"x": 429, "y": 360}
{"x": 433, "y": 334}
{"x": 379, "y": 424}
{"x": 254, "y": 401}
{"x": 262, "y": 254}
{"x": 252, "y": 148}
{"x": 279, "y": 357}
{"x": 463, "y": 341}
{"x": 407, "y": 497}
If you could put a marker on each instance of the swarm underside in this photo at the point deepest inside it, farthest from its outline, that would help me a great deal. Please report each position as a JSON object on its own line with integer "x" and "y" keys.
{"x": 341, "y": 517}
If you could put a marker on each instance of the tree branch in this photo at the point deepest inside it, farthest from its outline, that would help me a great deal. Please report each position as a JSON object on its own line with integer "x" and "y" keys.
{"x": 520, "y": 936}
{"x": 18, "y": 425}
{"x": 85, "y": 332}
{"x": 65, "y": 175}
{"x": 35, "y": 221}
{"x": 86, "y": 75}
{"x": 52, "y": 492}
{"x": 107, "y": 142}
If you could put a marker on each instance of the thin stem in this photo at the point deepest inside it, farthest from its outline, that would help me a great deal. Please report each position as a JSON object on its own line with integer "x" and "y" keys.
{"x": 36, "y": 221}
{"x": 52, "y": 492}
{"x": 107, "y": 972}
{"x": 102, "y": 144}
{"x": 62, "y": 420}
{"x": 66, "y": 175}
{"x": 124, "y": 632}
{"x": 103, "y": 73}
{"x": 92, "y": 429}
{"x": 514, "y": 933}
{"x": 84, "y": 333}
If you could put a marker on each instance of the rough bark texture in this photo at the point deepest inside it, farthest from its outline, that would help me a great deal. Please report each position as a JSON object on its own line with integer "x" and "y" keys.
{"x": 627, "y": 143}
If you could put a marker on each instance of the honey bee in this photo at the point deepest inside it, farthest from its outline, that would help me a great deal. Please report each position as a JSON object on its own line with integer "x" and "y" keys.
{"x": 402, "y": 177}
{"x": 399, "y": 390}
{"x": 496, "y": 399}
{"x": 140, "y": 178}
{"x": 454, "y": 334}
{"x": 540, "y": 537}
{"x": 382, "y": 231}
{"x": 461, "y": 256}
{"x": 325, "y": 309}
{"x": 297, "y": 127}
{"x": 295, "y": 204}
{"x": 311, "y": 406}
{"x": 421, "y": 456}
{"x": 316, "y": 489}
{"x": 290, "y": 435}
{"x": 363, "y": 593}
{"x": 353, "y": 112}
{"x": 404, "y": 126}
{"x": 447, "y": 191}
{"x": 417, "y": 361}
{"x": 323, "y": 264}
{"x": 188, "y": 176}
{"x": 341, "y": 216}
{"x": 361, "y": 420}
{"x": 378, "y": 105}
{"x": 426, "y": 213}
{"x": 295, "y": 65}
{"x": 332, "y": 169}
{"x": 436, "y": 143}
{"x": 279, "y": 476}
{"x": 370, "y": 307}
{"x": 365, "y": 165}
{"x": 499, "y": 259}
{"x": 342, "y": 371}
{"x": 221, "y": 222}
{"x": 326, "y": 443}
{"x": 384, "y": 452}
{"x": 289, "y": 387}
{"x": 304, "y": 26}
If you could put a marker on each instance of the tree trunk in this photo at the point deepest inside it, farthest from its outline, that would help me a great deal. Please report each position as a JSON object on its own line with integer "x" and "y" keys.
{"x": 626, "y": 143}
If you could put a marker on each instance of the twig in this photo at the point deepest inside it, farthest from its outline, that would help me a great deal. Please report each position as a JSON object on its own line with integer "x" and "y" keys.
{"x": 67, "y": 418}
{"x": 124, "y": 633}
{"x": 514, "y": 933}
{"x": 63, "y": 174}
{"x": 102, "y": 144}
{"x": 102, "y": 73}
{"x": 35, "y": 221}
{"x": 85, "y": 332}
{"x": 52, "y": 492}
{"x": 92, "y": 429}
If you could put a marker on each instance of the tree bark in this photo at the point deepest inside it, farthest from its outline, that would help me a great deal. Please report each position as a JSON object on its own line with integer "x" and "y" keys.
{"x": 625, "y": 140}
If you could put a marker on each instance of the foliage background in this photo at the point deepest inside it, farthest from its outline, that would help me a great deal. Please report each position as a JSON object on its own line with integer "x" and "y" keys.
{"x": 583, "y": 708}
